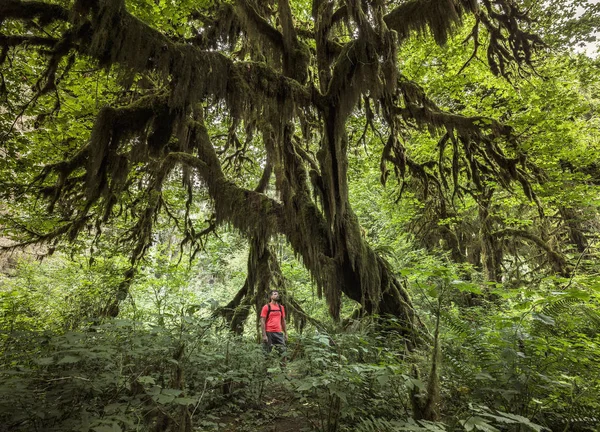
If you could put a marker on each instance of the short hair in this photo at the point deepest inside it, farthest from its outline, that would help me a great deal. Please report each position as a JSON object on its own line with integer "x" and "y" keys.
{"x": 273, "y": 291}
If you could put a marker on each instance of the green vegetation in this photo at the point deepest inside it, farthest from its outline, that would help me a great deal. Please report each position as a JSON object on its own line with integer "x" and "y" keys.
{"x": 418, "y": 178}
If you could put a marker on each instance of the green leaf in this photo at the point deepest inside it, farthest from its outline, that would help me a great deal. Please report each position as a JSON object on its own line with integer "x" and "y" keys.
{"x": 484, "y": 376}
{"x": 305, "y": 386}
{"x": 163, "y": 398}
{"x": 418, "y": 383}
{"x": 383, "y": 379}
{"x": 145, "y": 379}
{"x": 463, "y": 286}
{"x": 509, "y": 418}
{"x": 548, "y": 320}
{"x": 340, "y": 394}
{"x": 478, "y": 423}
{"x": 68, "y": 359}
{"x": 114, "y": 427}
{"x": 185, "y": 400}
{"x": 578, "y": 294}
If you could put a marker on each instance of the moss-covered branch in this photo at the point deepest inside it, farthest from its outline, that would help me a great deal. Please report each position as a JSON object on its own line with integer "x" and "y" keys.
{"x": 29, "y": 10}
{"x": 557, "y": 261}
{"x": 260, "y": 24}
{"x": 420, "y": 16}
{"x": 11, "y": 41}
{"x": 249, "y": 211}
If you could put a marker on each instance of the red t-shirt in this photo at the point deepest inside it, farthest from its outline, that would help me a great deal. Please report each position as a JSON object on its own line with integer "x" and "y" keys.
{"x": 273, "y": 324}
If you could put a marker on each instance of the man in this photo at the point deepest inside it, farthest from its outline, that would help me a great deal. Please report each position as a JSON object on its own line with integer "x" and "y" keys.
{"x": 272, "y": 323}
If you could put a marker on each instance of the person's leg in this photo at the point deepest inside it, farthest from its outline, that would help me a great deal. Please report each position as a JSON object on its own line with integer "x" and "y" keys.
{"x": 278, "y": 341}
{"x": 268, "y": 346}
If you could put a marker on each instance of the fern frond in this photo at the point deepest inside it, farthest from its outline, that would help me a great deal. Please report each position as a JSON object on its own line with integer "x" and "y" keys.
{"x": 373, "y": 424}
{"x": 485, "y": 358}
{"x": 556, "y": 308}
{"x": 465, "y": 372}
{"x": 553, "y": 310}
{"x": 583, "y": 418}
{"x": 593, "y": 316}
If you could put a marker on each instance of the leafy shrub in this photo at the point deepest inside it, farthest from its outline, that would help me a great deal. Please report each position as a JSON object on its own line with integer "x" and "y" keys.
{"x": 123, "y": 375}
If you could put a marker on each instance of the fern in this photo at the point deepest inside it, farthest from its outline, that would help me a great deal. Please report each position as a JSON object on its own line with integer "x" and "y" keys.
{"x": 545, "y": 320}
{"x": 593, "y": 316}
{"x": 578, "y": 418}
{"x": 486, "y": 360}
{"x": 558, "y": 307}
{"x": 464, "y": 371}
{"x": 373, "y": 424}
{"x": 553, "y": 310}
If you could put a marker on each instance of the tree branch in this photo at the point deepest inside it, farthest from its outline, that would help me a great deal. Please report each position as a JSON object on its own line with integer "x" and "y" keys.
{"x": 249, "y": 211}
{"x": 28, "y": 10}
{"x": 11, "y": 41}
{"x": 556, "y": 259}
{"x": 260, "y": 24}
{"x": 439, "y": 17}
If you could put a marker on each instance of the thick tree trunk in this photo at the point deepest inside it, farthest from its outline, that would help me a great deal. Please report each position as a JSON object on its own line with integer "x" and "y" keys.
{"x": 336, "y": 254}
{"x": 330, "y": 242}
{"x": 263, "y": 274}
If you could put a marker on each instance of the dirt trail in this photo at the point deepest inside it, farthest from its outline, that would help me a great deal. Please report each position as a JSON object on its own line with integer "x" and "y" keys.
{"x": 281, "y": 412}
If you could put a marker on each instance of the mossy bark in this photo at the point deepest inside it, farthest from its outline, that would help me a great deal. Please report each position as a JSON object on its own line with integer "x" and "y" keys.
{"x": 491, "y": 247}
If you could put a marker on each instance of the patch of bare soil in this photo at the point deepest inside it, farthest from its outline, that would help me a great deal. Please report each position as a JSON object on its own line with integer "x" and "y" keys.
{"x": 280, "y": 413}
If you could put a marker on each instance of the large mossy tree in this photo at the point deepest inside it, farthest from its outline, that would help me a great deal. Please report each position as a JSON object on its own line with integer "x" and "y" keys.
{"x": 219, "y": 86}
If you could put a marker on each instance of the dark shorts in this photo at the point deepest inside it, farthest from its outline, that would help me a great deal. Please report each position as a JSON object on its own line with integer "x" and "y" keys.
{"x": 275, "y": 340}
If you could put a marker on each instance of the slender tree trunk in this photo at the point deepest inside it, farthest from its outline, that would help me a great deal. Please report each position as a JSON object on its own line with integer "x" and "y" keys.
{"x": 491, "y": 248}
{"x": 576, "y": 232}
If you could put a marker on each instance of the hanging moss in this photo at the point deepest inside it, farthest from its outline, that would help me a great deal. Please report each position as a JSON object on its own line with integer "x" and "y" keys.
{"x": 438, "y": 17}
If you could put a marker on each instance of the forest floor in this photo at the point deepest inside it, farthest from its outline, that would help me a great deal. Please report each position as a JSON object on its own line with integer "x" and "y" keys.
{"x": 280, "y": 412}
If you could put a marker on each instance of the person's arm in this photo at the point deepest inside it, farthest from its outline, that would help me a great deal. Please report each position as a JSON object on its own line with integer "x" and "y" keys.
{"x": 283, "y": 325}
{"x": 263, "y": 326}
